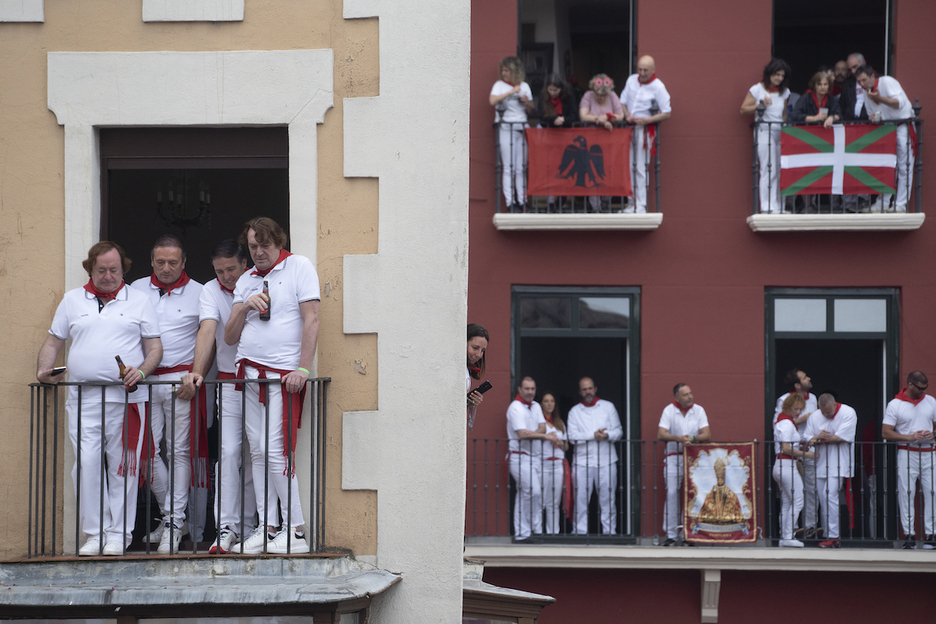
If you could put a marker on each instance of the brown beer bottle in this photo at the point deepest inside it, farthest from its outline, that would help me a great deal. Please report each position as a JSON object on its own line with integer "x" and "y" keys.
{"x": 123, "y": 372}
{"x": 265, "y": 315}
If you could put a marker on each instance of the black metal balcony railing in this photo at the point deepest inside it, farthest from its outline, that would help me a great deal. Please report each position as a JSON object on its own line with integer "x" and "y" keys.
{"x": 528, "y": 501}
{"x": 511, "y": 150}
{"x": 767, "y": 196}
{"x": 48, "y": 420}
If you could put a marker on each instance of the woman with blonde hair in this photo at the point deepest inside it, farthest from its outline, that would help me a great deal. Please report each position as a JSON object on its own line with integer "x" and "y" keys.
{"x": 512, "y": 99}
{"x": 785, "y": 473}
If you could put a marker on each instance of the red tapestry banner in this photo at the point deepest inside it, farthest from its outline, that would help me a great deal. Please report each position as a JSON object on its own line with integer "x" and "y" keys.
{"x": 719, "y": 506}
{"x": 579, "y": 161}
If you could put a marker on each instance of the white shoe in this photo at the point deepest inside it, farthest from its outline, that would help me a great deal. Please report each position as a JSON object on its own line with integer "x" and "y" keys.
{"x": 91, "y": 548}
{"x": 156, "y": 536}
{"x": 112, "y": 549}
{"x": 791, "y": 543}
{"x": 253, "y": 545}
{"x": 297, "y": 545}
{"x": 169, "y": 542}
{"x": 223, "y": 544}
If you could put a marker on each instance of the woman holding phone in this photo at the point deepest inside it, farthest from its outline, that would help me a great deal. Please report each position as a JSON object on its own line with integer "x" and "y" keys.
{"x": 477, "y": 346}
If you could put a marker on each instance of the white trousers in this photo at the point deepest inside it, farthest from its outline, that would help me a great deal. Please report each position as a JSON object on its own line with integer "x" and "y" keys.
{"x": 512, "y": 143}
{"x": 912, "y": 467}
{"x": 829, "y": 504}
{"x": 171, "y": 489}
{"x": 640, "y": 158}
{"x": 553, "y": 479}
{"x": 904, "y": 172}
{"x": 528, "y": 501}
{"x": 116, "y": 487}
{"x": 229, "y": 472}
{"x": 586, "y": 479}
{"x": 791, "y": 495}
{"x": 673, "y": 470}
{"x": 270, "y": 467}
{"x": 768, "y": 153}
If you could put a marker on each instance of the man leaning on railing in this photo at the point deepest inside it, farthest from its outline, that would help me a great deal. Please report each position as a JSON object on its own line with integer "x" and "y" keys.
{"x": 104, "y": 319}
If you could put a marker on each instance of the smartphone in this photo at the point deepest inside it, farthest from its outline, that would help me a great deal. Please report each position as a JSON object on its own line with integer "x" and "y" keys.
{"x": 58, "y": 370}
{"x": 482, "y": 388}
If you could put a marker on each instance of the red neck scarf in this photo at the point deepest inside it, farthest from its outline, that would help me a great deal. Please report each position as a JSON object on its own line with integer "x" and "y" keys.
{"x": 783, "y": 417}
{"x": 510, "y": 83}
{"x": 593, "y": 403}
{"x": 876, "y": 81}
{"x": 527, "y": 403}
{"x": 680, "y": 408}
{"x": 556, "y": 104}
{"x": 548, "y": 418}
{"x": 647, "y": 81}
{"x": 263, "y": 273}
{"x": 838, "y": 406}
{"x": 902, "y": 396}
{"x": 225, "y": 288}
{"x": 815, "y": 99}
{"x": 773, "y": 89}
{"x": 179, "y": 283}
{"x": 91, "y": 288}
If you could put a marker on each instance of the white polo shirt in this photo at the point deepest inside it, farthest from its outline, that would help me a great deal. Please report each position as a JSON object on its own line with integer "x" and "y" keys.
{"x": 835, "y": 459}
{"x": 584, "y": 421}
{"x": 675, "y": 423}
{"x": 785, "y": 431}
{"x": 637, "y": 97}
{"x": 889, "y": 87}
{"x": 96, "y": 337}
{"x": 215, "y": 304}
{"x": 908, "y": 418}
{"x": 277, "y": 343}
{"x": 523, "y": 418}
{"x": 177, "y": 312}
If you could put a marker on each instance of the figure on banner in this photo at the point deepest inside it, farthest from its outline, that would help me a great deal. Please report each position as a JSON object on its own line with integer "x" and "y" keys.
{"x": 583, "y": 163}
{"x": 721, "y": 505}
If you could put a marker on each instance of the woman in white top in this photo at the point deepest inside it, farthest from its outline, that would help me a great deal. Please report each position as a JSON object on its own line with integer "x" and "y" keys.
{"x": 512, "y": 99}
{"x": 785, "y": 473}
{"x": 773, "y": 93}
{"x": 477, "y": 347}
{"x": 553, "y": 458}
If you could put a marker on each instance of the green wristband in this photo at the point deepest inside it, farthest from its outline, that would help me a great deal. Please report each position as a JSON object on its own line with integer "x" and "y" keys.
{"x": 142, "y": 373}
{"x": 305, "y": 370}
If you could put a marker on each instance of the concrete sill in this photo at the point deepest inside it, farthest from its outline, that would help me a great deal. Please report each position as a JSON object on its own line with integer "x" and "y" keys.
{"x": 871, "y": 222}
{"x": 584, "y": 221}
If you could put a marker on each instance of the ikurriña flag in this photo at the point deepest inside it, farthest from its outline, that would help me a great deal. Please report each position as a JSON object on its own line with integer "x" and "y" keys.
{"x": 841, "y": 160}
{"x": 579, "y": 161}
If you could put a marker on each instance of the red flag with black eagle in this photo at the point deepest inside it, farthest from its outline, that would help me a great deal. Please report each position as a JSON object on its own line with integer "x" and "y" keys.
{"x": 579, "y": 161}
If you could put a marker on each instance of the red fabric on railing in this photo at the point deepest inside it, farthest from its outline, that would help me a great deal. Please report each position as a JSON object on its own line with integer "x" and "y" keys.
{"x": 579, "y": 161}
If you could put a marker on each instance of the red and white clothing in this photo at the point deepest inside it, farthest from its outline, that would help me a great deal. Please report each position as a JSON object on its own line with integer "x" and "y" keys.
{"x": 595, "y": 460}
{"x": 215, "y": 304}
{"x": 525, "y": 465}
{"x": 914, "y": 459}
{"x": 768, "y": 146}
{"x": 835, "y": 461}
{"x": 677, "y": 423}
{"x": 553, "y": 474}
{"x": 97, "y": 335}
{"x": 810, "y": 500}
{"x": 786, "y": 475}
{"x": 274, "y": 344}
{"x": 889, "y": 87}
{"x": 638, "y": 98}
{"x": 177, "y": 310}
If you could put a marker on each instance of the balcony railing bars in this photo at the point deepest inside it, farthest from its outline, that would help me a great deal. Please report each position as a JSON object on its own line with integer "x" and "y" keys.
{"x": 526, "y": 502}
{"x": 766, "y": 195}
{"x": 45, "y": 466}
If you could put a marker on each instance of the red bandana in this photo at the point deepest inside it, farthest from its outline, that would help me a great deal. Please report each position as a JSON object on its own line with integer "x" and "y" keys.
{"x": 593, "y": 403}
{"x": 91, "y": 288}
{"x": 557, "y": 105}
{"x": 838, "y": 406}
{"x": 527, "y": 403}
{"x": 179, "y": 283}
{"x": 548, "y": 418}
{"x": 815, "y": 99}
{"x": 225, "y": 288}
{"x": 902, "y": 396}
{"x": 263, "y": 273}
{"x": 876, "y": 80}
{"x": 648, "y": 81}
{"x": 680, "y": 408}
{"x": 783, "y": 417}
{"x": 773, "y": 89}
{"x": 510, "y": 83}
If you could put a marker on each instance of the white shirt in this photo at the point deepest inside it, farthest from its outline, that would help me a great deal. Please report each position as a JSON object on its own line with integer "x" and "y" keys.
{"x": 215, "y": 305}
{"x": 889, "y": 87}
{"x": 584, "y": 421}
{"x": 637, "y": 97}
{"x": 277, "y": 343}
{"x": 908, "y": 418}
{"x": 785, "y": 431}
{"x": 177, "y": 312}
{"x": 96, "y": 338}
{"x": 834, "y": 459}
{"x": 546, "y": 450}
{"x": 677, "y": 424}
{"x": 514, "y": 110}
{"x": 859, "y": 99}
{"x": 774, "y": 112}
{"x": 523, "y": 418}
{"x": 811, "y": 406}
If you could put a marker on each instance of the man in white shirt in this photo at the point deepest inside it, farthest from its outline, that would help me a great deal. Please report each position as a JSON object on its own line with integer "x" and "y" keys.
{"x": 831, "y": 430}
{"x": 800, "y": 383}
{"x": 229, "y": 261}
{"x": 526, "y": 428}
{"x": 175, "y": 297}
{"x": 909, "y": 421}
{"x": 276, "y": 334}
{"x": 640, "y": 92}
{"x": 593, "y": 428}
{"x": 682, "y": 422}
{"x": 885, "y": 100}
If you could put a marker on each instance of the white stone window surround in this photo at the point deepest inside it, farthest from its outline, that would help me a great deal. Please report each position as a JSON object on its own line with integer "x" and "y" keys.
{"x": 89, "y": 90}
{"x": 193, "y": 10}
{"x": 22, "y": 11}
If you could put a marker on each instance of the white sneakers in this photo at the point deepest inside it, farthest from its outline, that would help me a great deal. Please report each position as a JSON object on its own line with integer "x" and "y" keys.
{"x": 113, "y": 549}
{"x": 170, "y": 540}
{"x": 277, "y": 542}
{"x": 91, "y": 548}
{"x": 223, "y": 544}
{"x": 791, "y": 543}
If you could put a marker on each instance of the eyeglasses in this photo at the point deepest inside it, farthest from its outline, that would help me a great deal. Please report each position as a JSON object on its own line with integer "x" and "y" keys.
{"x": 920, "y": 388}
{"x": 602, "y": 82}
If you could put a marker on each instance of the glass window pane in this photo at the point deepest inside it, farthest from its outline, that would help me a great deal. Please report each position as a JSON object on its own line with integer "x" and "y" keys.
{"x": 800, "y": 315}
{"x": 604, "y": 313}
{"x": 546, "y": 313}
{"x": 860, "y": 315}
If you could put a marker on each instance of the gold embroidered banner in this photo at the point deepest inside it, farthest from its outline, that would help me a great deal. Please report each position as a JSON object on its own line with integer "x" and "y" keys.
{"x": 719, "y": 505}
